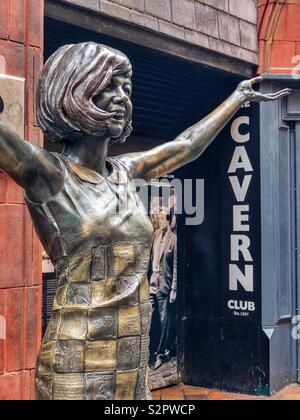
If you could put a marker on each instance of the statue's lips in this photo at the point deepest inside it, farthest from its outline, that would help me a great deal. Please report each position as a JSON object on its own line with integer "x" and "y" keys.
{"x": 119, "y": 115}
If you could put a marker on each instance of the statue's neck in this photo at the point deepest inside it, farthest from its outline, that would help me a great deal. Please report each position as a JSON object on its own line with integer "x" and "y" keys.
{"x": 90, "y": 152}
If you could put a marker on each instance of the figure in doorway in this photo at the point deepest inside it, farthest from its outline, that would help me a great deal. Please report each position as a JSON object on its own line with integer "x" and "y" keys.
{"x": 163, "y": 287}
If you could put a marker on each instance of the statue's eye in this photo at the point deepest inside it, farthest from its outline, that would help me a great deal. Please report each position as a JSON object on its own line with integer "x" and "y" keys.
{"x": 127, "y": 90}
{"x": 109, "y": 88}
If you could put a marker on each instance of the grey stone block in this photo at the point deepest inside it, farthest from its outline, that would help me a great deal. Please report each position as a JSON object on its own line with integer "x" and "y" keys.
{"x": 132, "y": 4}
{"x": 229, "y": 28}
{"x": 249, "y": 39}
{"x": 159, "y": 8}
{"x": 221, "y": 46}
{"x": 115, "y": 10}
{"x": 207, "y": 20}
{"x": 233, "y": 51}
{"x": 249, "y": 56}
{"x": 217, "y": 4}
{"x": 89, "y": 4}
{"x": 145, "y": 20}
{"x": 196, "y": 38}
{"x": 184, "y": 13}
{"x": 171, "y": 30}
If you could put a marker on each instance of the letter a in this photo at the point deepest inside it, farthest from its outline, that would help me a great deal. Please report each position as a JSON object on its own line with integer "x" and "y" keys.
{"x": 240, "y": 160}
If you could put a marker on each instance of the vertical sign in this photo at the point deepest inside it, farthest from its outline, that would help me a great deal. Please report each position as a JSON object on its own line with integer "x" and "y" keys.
{"x": 241, "y": 218}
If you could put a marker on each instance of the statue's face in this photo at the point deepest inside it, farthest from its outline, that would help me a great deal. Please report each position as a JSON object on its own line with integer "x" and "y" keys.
{"x": 116, "y": 99}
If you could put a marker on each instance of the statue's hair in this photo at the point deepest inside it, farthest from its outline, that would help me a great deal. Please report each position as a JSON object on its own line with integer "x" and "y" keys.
{"x": 71, "y": 79}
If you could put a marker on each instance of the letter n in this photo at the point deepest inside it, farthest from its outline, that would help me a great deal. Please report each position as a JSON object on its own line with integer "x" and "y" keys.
{"x": 237, "y": 276}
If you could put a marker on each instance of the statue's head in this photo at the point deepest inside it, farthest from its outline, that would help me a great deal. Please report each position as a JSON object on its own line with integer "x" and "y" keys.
{"x": 84, "y": 90}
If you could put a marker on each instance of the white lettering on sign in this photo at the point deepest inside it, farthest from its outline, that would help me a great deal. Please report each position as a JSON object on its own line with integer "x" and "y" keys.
{"x": 240, "y": 160}
{"x": 240, "y": 244}
{"x": 241, "y": 269}
{"x": 241, "y": 305}
{"x": 236, "y": 276}
{"x": 240, "y": 191}
{"x": 235, "y": 130}
{"x": 240, "y": 217}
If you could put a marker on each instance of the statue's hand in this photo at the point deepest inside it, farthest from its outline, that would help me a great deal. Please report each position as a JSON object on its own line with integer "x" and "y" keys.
{"x": 248, "y": 94}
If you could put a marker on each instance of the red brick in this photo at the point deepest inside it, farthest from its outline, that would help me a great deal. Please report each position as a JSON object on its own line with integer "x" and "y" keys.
{"x": 38, "y": 62}
{"x": 221, "y": 396}
{"x": 172, "y": 393}
{"x": 26, "y": 385}
{"x": 35, "y": 27}
{"x": 33, "y": 317}
{"x": 283, "y": 53}
{"x": 4, "y": 19}
{"x": 32, "y": 385}
{"x": 28, "y": 257}
{"x": 2, "y": 347}
{"x": 32, "y": 253}
{"x": 262, "y": 57}
{"x": 36, "y": 260}
{"x": 290, "y": 393}
{"x": 29, "y": 114}
{"x": 19, "y": 247}
{"x": 3, "y": 187}
{"x": 35, "y": 135}
{"x": 156, "y": 395}
{"x": 288, "y": 27}
{"x": 14, "y": 317}
{"x": 264, "y": 20}
{"x": 17, "y": 20}
{"x": 14, "y": 193}
{"x": 16, "y": 386}
{"x": 280, "y": 30}
{"x": 192, "y": 393}
{"x": 34, "y": 60}
{"x": 11, "y": 386}
{"x": 11, "y": 245}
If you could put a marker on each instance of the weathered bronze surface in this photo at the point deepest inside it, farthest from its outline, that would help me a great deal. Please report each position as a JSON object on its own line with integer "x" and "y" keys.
{"x": 91, "y": 222}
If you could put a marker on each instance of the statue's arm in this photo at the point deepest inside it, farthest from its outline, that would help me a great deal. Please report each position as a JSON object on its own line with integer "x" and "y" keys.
{"x": 30, "y": 166}
{"x": 189, "y": 145}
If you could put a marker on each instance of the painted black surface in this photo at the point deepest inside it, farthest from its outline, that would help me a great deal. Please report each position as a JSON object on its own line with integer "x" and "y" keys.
{"x": 228, "y": 200}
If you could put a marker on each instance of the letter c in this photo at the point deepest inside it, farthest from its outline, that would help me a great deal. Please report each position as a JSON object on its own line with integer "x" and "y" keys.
{"x": 235, "y": 130}
{"x": 231, "y": 304}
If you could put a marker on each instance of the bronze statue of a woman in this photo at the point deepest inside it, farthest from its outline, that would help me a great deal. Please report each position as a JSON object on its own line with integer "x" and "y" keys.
{"x": 96, "y": 345}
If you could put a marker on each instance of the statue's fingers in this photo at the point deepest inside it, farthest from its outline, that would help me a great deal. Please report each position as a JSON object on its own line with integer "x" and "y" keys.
{"x": 280, "y": 94}
{"x": 285, "y": 92}
{"x": 256, "y": 80}
{"x": 259, "y": 97}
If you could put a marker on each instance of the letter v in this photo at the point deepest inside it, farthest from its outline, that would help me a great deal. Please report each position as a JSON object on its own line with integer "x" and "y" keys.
{"x": 240, "y": 191}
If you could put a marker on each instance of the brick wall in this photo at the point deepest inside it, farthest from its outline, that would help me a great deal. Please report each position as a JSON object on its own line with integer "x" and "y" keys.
{"x": 225, "y": 26}
{"x": 21, "y": 44}
{"x": 279, "y": 36}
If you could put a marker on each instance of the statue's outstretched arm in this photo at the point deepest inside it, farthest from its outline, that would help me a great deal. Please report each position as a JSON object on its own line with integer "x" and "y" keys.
{"x": 189, "y": 145}
{"x": 28, "y": 165}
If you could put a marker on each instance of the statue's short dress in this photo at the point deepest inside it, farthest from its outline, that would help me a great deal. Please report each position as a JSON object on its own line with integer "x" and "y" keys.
{"x": 98, "y": 236}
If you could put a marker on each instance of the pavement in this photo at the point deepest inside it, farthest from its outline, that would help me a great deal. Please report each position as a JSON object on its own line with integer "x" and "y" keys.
{"x": 185, "y": 393}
